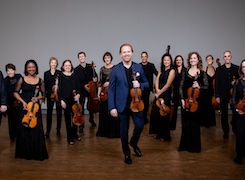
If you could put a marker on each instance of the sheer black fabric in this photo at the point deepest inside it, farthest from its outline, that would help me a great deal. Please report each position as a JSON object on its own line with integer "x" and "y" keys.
{"x": 30, "y": 142}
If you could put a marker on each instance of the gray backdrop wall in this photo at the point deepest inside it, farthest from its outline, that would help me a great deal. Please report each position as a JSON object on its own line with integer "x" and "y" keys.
{"x": 34, "y": 29}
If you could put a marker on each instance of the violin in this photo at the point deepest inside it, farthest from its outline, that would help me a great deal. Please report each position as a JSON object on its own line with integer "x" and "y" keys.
{"x": 104, "y": 90}
{"x": 191, "y": 103}
{"x": 54, "y": 94}
{"x": 78, "y": 118}
{"x": 94, "y": 102}
{"x": 215, "y": 104}
{"x": 30, "y": 118}
{"x": 241, "y": 104}
{"x": 163, "y": 109}
{"x": 136, "y": 104}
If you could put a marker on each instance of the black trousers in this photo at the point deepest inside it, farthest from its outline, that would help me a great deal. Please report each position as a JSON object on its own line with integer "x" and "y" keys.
{"x": 145, "y": 98}
{"x": 49, "y": 119}
{"x": 124, "y": 127}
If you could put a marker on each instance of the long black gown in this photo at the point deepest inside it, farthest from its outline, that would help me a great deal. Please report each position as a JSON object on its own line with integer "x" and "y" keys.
{"x": 108, "y": 126}
{"x": 30, "y": 142}
{"x": 191, "y": 136}
{"x": 159, "y": 125}
{"x": 207, "y": 117}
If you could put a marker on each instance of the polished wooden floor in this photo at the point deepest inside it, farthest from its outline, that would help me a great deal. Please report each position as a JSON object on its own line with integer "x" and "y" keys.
{"x": 95, "y": 158}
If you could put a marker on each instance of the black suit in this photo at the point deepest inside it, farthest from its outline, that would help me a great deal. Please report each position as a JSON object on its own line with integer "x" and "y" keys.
{"x": 223, "y": 79}
{"x": 149, "y": 70}
{"x": 3, "y": 93}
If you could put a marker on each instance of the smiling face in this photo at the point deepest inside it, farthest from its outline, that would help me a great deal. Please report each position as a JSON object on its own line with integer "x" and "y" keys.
{"x": 179, "y": 61}
{"x": 82, "y": 58}
{"x": 144, "y": 58}
{"x": 107, "y": 60}
{"x": 31, "y": 69}
{"x": 126, "y": 53}
{"x": 53, "y": 64}
{"x": 209, "y": 60}
{"x": 10, "y": 72}
{"x": 227, "y": 57}
{"x": 193, "y": 60}
{"x": 166, "y": 61}
{"x": 67, "y": 66}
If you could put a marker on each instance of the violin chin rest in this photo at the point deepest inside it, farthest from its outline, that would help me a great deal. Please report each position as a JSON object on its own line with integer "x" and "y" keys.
{"x": 25, "y": 124}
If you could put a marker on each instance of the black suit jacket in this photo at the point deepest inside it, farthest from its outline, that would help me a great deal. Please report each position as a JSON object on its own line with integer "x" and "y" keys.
{"x": 223, "y": 81}
{"x": 3, "y": 93}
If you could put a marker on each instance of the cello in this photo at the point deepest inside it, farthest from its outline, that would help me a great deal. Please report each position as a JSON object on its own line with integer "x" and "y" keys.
{"x": 94, "y": 102}
{"x": 136, "y": 104}
{"x": 78, "y": 118}
{"x": 54, "y": 94}
{"x": 163, "y": 109}
{"x": 191, "y": 103}
{"x": 30, "y": 118}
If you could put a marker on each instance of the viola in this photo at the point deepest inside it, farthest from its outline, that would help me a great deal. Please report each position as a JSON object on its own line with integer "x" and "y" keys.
{"x": 54, "y": 94}
{"x": 136, "y": 104}
{"x": 191, "y": 103}
{"x": 104, "y": 91}
{"x": 94, "y": 102}
{"x": 30, "y": 118}
{"x": 78, "y": 118}
{"x": 163, "y": 109}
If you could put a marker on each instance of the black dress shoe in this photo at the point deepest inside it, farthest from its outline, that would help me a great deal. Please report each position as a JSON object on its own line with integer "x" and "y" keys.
{"x": 225, "y": 136}
{"x": 128, "y": 160}
{"x": 238, "y": 160}
{"x": 58, "y": 133}
{"x": 92, "y": 123}
{"x": 136, "y": 150}
{"x": 46, "y": 136}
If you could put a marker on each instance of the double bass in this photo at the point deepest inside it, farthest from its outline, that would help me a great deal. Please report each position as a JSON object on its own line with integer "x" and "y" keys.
{"x": 30, "y": 118}
{"x": 78, "y": 118}
{"x": 163, "y": 109}
{"x": 54, "y": 94}
{"x": 94, "y": 102}
{"x": 136, "y": 104}
{"x": 191, "y": 103}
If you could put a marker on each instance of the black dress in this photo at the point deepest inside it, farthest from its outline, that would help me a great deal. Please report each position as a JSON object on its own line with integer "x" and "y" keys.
{"x": 238, "y": 94}
{"x": 207, "y": 117}
{"x": 191, "y": 135}
{"x": 10, "y": 83}
{"x": 30, "y": 142}
{"x": 159, "y": 125}
{"x": 108, "y": 126}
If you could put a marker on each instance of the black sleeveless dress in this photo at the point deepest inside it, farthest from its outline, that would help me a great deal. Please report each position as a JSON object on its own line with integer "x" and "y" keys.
{"x": 159, "y": 125}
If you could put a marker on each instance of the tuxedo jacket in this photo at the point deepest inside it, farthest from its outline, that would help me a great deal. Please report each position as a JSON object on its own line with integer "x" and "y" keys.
{"x": 118, "y": 90}
{"x": 223, "y": 81}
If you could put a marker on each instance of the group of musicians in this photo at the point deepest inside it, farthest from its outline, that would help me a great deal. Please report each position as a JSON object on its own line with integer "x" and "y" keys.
{"x": 121, "y": 91}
